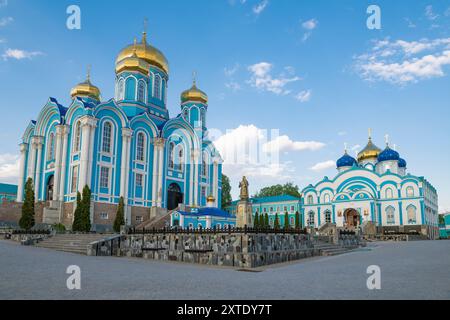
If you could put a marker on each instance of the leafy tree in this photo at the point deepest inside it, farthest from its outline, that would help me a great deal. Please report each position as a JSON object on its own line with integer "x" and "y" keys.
{"x": 226, "y": 191}
{"x": 266, "y": 220}
{"x": 297, "y": 220}
{"x": 86, "y": 209}
{"x": 119, "y": 221}
{"x": 441, "y": 219}
{"x": 277, "y": 222}
{"x": 27, "y": 220}
{"x": 278, "y": 190}
{"x": 78, "y": 218}
{"x": 286, "y": 221}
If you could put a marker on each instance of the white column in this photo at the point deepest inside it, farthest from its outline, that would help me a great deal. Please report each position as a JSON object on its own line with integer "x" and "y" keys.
{"x": 196, "y": 175}
{"x": 125, "y": 169}
{"x": 38, "y": 168}
{"x": 191, "y": 180}
{"x": 58, "y": 156}
{"x": 32, "y": 160}
{"x": 215, "y": 182}
{"x": 86, "y": 127}
{"x": 160, "y": 145}
{"x": 91, "y": 153}
{"x": 23, "y": 155}
{"x": 63, "y": 171}
{"x": 155, "y": 174}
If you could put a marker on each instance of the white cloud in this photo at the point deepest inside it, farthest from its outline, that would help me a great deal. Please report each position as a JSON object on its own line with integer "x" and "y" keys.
{"x": 20, "y": 54}
{"x": 262, "y": 79}
{"x": 430, "y": 14}
{"x": 251, "y": 151}
{"x": 403, "y": 62}
{"x": 9, "y": 168}
{"x": 284, "y": 144}
{"x": 5, "y": 21}
{"x": 233, "y": 86}
{"x": 229, "y": 72}
{"x": 304, "y": 96}
{"x": 410, "y": 23}
{"x": 259, "y": 8}
{"x": 342, "y": 133}
{"x": 310, "y": 24}
{"x": 321, "y": 166}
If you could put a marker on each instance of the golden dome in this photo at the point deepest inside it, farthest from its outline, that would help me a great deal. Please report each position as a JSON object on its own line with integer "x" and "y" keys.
{"x": 86, "y": 89}
{"x": 370, "y": 152}
{"x": 133, "y": 63}
{"x": 210, "y": 198}
{"x": 194, "y": 94}
{"x": 145, "y": 52}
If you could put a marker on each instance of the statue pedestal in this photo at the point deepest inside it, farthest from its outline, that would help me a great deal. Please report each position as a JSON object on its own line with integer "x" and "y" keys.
{"x": 244, "y": 215}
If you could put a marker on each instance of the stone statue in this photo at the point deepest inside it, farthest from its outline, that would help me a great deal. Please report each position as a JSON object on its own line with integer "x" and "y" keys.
{"x": 243, "y": 185}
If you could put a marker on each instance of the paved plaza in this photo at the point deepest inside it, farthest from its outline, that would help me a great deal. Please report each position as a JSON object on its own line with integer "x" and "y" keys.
{"x": 409, "y": 270}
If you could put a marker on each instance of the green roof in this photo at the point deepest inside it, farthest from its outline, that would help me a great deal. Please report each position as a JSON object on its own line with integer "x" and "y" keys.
{"x": 280, "y": 198}
{"x": 8, "y": 188}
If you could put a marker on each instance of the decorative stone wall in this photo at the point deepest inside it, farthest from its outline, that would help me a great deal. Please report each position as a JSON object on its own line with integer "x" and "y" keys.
{"x": 235, "y": 249}
{"x": 11, "y": 211}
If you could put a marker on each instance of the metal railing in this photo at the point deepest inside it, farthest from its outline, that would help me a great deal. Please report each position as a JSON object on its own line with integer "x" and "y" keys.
{"x": 229, "y": 230}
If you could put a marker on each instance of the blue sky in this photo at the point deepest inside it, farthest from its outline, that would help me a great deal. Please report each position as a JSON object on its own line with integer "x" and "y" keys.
{"x": 311, "y": 69}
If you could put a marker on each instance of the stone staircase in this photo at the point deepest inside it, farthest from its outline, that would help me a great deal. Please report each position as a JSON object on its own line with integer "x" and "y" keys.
{"x": 157, "y": 222}
{"x": 327, "y": 249}
{"x": 74, "y": 243}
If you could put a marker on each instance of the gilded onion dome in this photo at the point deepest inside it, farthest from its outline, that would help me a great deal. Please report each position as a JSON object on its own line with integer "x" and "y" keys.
{"x": 143, "y": 51}
{"x": 133, "y": 63}
{"x": 86, "y": 89}
{"x": 370, "y": 152}
{"x": 194, "y": 94}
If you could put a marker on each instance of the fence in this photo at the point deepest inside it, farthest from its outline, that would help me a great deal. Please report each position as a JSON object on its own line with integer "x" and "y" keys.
{"x": 229, "y": 230}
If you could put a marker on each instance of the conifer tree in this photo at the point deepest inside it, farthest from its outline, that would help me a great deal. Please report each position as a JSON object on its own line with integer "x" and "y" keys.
{"x": 256, "y": 223}
{"x": 86, "y": 209}
{"x": 119, "y": 221}
{"x": 27, "y": 220}
{"x": 266, "y": 220}
{"x": 297, "y": 220}
{"x": 277, "y": 222}
{"x": 286, "y": 221}
{"x": 77, "y": 219}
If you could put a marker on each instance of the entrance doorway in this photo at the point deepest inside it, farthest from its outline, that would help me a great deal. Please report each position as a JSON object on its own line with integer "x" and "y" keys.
{"x": 352, "y": 218}
{"x": 50, "y": 184}
{"x": 174, "y": 196}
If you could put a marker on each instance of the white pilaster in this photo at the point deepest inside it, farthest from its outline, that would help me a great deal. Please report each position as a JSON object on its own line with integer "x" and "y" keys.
{"x": 58, "y": 156}
{"x": 87, "y": 124}
{"x": 65, "y": 137}
{"x": 160, "y": 146}
{"x": 155, "y": 174}
{"x": 23, "y": 155}
{"x": 215, "y": 183}
{"x": 38, "y": 167}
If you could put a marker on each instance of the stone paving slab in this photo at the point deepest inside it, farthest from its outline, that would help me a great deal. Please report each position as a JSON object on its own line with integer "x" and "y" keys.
{"x": 410, "y": 270}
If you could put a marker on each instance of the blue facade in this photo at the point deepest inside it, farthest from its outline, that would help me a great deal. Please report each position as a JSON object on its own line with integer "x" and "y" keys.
{"x": 205, "y": 218}
{"x": 8, "y": 192}
{"x": 127, "y": 146}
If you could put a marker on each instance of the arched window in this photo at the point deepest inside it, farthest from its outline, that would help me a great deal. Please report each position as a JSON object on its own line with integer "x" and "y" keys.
{"x": 411, "y": 212}
{"x": 186, "y": 114}
{"x": 171, "y": 154}
{"x": 141, "y": 91}
{"x": 390, "y": 215}
{"x": 106, "y": 137}
{"x": 77, "y": 137}
{"x": 51, "y": 147}
{"x": 410, "y": 192}
{"x": 140, "y": 147}
{"x": 310, "y": 199}
{"x": 389, "y": 194}
{"x": 179, "y": 161}
{"x": 120, "y": 89}
{"x": 157, "y": 87}
{"x": 203, "y": 117}
{"x": 327, "y": 216}
{"x": 311, "y": 219}
{"x": 130, "y": 89}
{"x": 326, "y": 198}
{"x": 204, "y": 165}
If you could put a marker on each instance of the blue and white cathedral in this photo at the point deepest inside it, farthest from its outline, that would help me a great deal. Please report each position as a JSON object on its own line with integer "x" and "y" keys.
{"x": 373, "y": 188}
{"x": 125, "y": 147}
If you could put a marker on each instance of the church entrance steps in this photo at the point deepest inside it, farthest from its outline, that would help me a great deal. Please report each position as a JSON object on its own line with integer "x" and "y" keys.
{"x": 158, "y": 222}
{"x": 331, "y": 249}
{"x": 75, "y": 243}
{"x": 51, "y": 215}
